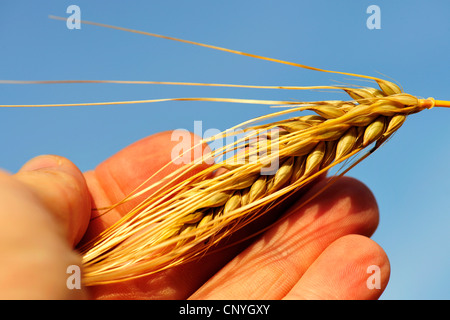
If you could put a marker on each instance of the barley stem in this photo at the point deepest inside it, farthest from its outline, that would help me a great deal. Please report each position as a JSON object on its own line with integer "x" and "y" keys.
{"x": 442, "y": 103}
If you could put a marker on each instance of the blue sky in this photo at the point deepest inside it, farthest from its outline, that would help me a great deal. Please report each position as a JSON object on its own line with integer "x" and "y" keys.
{"x": 409, "y": 176}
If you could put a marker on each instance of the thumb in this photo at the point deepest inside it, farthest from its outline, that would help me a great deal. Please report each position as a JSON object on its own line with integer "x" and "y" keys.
{"x": 41, "y": 206}
{"x": 61, "y": 188}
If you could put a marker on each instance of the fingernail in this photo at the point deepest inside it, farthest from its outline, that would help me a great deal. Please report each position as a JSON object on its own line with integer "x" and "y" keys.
{"x": 42, "y": 162}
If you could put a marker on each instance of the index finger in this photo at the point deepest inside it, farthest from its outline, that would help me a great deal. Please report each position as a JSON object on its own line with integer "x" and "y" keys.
{"x": 115, "y": 178}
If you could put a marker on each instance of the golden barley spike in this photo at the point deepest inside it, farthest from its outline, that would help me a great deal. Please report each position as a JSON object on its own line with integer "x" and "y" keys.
{"x": 192, "y": 216}
{"x": 182, "y": 221}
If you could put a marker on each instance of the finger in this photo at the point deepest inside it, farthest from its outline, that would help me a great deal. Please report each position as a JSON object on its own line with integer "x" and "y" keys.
{"x": 61, "y": 187}
{"x": 270, "y": 267}
{"x": 118, "y": 176}
{"x": 352, "y": 267}
{"x": 35, "y": 222}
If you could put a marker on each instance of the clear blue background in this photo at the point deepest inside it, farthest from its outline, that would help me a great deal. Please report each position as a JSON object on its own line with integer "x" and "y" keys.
{"x": 409, "y": 176}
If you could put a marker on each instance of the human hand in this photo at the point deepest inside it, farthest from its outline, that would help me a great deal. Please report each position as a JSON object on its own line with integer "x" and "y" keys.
{"x": 320, "y": 251}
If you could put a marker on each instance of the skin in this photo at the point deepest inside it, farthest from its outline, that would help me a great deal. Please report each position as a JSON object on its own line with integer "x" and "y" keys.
{"x": 320, "y": 250}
